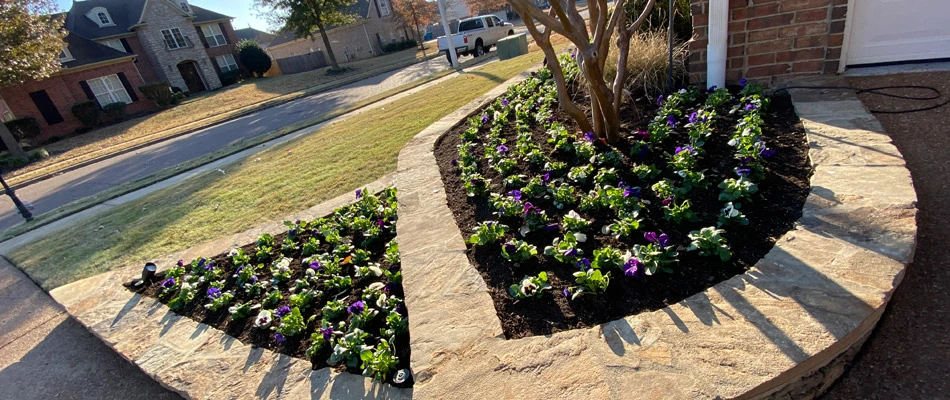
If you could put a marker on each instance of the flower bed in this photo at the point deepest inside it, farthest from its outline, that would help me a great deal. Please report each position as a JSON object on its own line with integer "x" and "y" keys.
{"x": 327, "y": 290}
{"x": 570, "y": 232}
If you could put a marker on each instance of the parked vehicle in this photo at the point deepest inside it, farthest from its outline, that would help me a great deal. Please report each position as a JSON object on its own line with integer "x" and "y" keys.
{"x": 476, "y": 36}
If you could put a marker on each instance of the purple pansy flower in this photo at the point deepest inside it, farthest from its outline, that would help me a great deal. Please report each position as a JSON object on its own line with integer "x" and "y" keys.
{"x": 671, "y": 121}
{"x": 631, "y": 192}
{"x": 679, "y": 149}
{"x": 545, "y": 178}
{"x": 572, "y": 252}
{"x": 750, "y": 107}
{"x": 692, "y": 117}
{"x": 180, "y": 263}
{"x": 484, "y": 118}
{"x": 214, "y": 292}
{"x": 567, "y": 293}
{"x": 356, "y": 308}
{"x": 201, "y": 263}
{"x": 712, "y": 88}
{"x": 253, "y": 279}
{"x": 168, "y": 283}
{"x": 516, "y": 194}
{"x": 327, "y": 333}
{"x": 283, "y": 311}
{"x": 239, "y": 269}
{"x": 645, "y": 134}
{"x": 650, "y": 236}
{"x": 644, "y": 151}
{"x": 380, "y": 223}
{"x": 743, "y": 82}
{"x": 552, "y": 227}
{"x": 552, "y": 118}
{"x": 583, "y": 264}
{"x": 766, "y": 153}
{"x": 359, "y": 194}
{"x": 279, "y": 338}
{"x": 589, "y": 136}
{"x": 659, "y": 100}
{"x": 663, "y": 240}
{"x": 743, "y": 172}
{"x": 631, "y": 267}
{"x": 530, "y": 209}
{"x": 502, "y": 149}
{"x": 510, "y": 248}
{"x": 455, "y": 162}
{"x": 504, "y": 102}
{"x": 667, "y": 201}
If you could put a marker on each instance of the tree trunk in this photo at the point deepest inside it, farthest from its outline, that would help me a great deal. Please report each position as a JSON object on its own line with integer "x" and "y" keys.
{"x": 326, "y": 43}
{"x": 415, "y": 26}
{"x": 12, "y": 145}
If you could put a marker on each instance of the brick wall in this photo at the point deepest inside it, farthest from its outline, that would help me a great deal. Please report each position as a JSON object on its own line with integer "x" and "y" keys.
{"x": 141, "y": 62}
{"x": 64, "y": 90}
{"x": 230, "y": 48}
{"x": 772, "y": 41}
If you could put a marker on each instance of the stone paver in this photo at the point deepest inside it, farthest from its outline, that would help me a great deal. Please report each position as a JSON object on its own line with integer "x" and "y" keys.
{"x": 770, "y": 332}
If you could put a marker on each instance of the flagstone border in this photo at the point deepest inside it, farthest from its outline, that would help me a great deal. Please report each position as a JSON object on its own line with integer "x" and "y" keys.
{"x": 784, "y": 329}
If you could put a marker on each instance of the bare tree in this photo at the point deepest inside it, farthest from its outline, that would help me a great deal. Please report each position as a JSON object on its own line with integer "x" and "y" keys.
{"x": 593, "y": 40}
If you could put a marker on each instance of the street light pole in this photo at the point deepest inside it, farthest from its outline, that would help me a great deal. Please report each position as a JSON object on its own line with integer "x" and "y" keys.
{"x": 453, "y": 58}
{"x": 25, "y": 212}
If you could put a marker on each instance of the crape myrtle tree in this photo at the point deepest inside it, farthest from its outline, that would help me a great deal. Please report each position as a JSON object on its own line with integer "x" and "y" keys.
{"x": 414, "y": 14}
{"x": 593, "y": 40}
{"x": 306, "y": 17}
{"x": 31, "y": 39}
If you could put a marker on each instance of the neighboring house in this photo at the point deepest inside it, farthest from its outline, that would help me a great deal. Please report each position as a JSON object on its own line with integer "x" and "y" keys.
{"x": 775, "y": 41}
{"x": 375, "y": 27}
{"x": 262, "y": 38}
{"x": 115, "y": 46}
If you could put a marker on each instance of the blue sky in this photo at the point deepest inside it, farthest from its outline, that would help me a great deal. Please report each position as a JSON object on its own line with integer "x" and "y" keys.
{"x": 239, "y": 9}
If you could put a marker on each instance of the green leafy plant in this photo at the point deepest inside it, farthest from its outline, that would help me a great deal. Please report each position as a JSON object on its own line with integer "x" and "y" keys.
{"x": 518, "y": 250}
{"x": 735, "y": 189}
{"x": 530, "y": 286}
{"x": 730, "y": 215}
{"x": 591, "y": 281}
{"x": 488, "y": 232}
{"x": 709, "y": 241}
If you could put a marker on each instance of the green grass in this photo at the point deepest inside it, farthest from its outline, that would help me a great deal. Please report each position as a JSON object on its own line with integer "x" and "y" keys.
{"x": 294, "y": 176}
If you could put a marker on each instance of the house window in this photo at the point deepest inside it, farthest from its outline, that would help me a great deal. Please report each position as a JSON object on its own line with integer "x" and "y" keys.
{"x": 214, "y": 36}
{"x": 108, "y": 89}
{"x": 383, "y": 7}
{"x": 65, "y": 55}
{"x": 226, "y": 63}
{"x": 184, "y": 6}
{"x": 101, "y": 17}
{"x": 115, "y": 44}
{"x": 174, "y": 38}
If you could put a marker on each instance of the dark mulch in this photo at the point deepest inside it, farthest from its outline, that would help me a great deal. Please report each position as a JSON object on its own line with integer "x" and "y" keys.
{"x": 244, "y": 330}
{"x": 774, "y": 209}
{"x": 906, "y": 356}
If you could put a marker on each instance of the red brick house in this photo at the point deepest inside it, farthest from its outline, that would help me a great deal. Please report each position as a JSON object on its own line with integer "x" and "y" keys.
{"x": 115, "y": 46}
{"x": 775, "y": 40}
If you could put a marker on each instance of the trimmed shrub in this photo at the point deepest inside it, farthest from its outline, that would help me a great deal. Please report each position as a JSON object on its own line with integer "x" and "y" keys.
{"x": 38, "y": 154}
{"x": 114, "y": 110}
{"x": 253, "y": 57}
{"x": 159, "y": 92}
{"x": 23, "y": 128}
{"x": 230, "y": 77}
{"x": 87, "y": 112}
{"x": 399, "y": 46}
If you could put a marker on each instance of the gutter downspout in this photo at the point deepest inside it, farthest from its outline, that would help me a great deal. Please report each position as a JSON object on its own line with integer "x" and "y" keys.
{"x": 716, "y": 47}
{"x": 370, "y": 42}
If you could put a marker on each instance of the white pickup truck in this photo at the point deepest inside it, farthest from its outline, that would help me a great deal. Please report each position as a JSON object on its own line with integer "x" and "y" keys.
{"x": 476, "y": 35}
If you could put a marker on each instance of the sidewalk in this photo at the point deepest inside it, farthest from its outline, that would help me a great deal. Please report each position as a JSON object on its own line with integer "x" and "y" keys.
{"x": 45, "y": 354}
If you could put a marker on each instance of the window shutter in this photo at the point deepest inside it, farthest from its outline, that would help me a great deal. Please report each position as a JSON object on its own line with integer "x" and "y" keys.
{"x": 43, "y": 103}
{"x": 201, "y": 36}
{"x": 89, "y": 94}
{"x": 128, "y": 86}
{"x": 125, "y": 44}
{"x": 224, "y": 32}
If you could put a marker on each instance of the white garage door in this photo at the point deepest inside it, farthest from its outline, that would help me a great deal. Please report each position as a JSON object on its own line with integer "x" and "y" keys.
{"x": 898, "y": 30}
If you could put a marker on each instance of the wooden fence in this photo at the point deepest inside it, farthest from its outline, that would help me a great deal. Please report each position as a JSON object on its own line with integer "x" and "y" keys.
{"x": 302, "y": 63}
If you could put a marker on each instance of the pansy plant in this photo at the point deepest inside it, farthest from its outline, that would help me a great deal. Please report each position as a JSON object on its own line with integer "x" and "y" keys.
{"x": 730, "y": 215}
{"x": 574, "y": 222}
{"x": 735, "y": 189}
{"x": 530, "y": 286}
{"x": 562, "y": 195}
{"x": 607, "y": 258}
{"x": 657, "y": 255}
{"x": 518, "y": 250}
{"x": 709, "y": 242}
{"x": 626, "y": 225}
{"x": 347, "y": 348}
{"x": 218, "y": 298}
{"x": 506, "y": 206}
{"x": 379, "y": 362}
{"x": 292, "y": 325}
{"x": 591, "y": 281}
{"x": 581, "y": 173}
{"x": 565, "y": 249}
{"x": 240, "y": 311}
{"x": 677, "y": 213}
{"x": 487, "y": 232}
